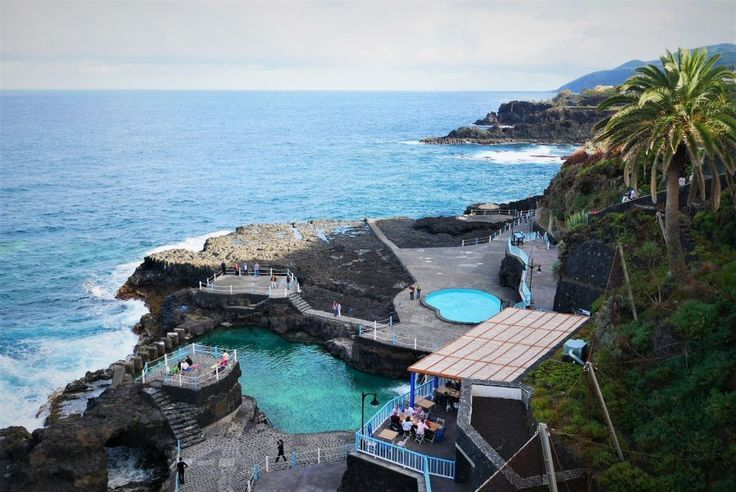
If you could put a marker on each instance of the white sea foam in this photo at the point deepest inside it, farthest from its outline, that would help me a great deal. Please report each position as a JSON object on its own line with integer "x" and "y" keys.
{"x": 537, "y": 154}
{"x": 195, "y": 243}
{"x": 51, "y": 363}
{"x": 410, "y": 142}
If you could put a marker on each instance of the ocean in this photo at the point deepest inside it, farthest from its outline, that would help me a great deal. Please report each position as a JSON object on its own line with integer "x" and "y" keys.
{"x": 91, "y": 181}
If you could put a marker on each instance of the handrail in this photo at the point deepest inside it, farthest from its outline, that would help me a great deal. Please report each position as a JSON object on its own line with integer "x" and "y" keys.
{"x": 427, "y": 482}
{"x": 209, "y": 284}
{"x": 389, "y": 336}
{"x": 404, "y": 457}
{"x": 523, "y": 218}
{"x": 296, "y": 460}
{"x": 524, "y": 292}
{"x": 160, "y": 367}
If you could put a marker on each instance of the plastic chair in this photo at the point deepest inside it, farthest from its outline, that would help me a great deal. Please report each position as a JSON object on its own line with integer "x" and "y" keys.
{"x": 440, "y": 421}
{"x": 402, "y": 442}
{"x": 419, "y": 438}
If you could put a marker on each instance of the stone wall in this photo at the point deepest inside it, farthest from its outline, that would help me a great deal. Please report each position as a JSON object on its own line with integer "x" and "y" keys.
{"x": 584, "y": 276}
{"x": 213, "y": 401}
{"x": 379, "y": 358}
{"x": 369, "y": 475}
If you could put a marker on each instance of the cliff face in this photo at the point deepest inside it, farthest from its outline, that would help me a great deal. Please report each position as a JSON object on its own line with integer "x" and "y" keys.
{"x": 565, "y": 119}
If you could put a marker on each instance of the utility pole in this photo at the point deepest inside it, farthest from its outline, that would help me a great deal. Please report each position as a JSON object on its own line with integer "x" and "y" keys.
{"x": 589, "y": 368}
{"x": 547, "y": 454}
{"x": 628, "y": 284}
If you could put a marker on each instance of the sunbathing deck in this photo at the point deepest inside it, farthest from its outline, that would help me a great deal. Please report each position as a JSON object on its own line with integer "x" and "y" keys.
{"x": 249, "y": 284}
{"x": 434, "y": 269}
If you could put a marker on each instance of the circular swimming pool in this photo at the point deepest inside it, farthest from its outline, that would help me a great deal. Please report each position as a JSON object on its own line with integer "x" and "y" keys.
{"x": 470, "y": 306}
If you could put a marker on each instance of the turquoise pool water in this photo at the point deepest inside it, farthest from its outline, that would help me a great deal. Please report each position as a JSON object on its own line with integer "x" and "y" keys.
{"x": 464, "y": 305}
{"x": 301, "y": 387}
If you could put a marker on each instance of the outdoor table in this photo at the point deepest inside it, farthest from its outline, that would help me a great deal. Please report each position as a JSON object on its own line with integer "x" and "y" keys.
{"x": 425, "y": 404}
{"x": 433, "y": 426}
{"x": 388, "y": 435}
{"x": 444, "y": 390}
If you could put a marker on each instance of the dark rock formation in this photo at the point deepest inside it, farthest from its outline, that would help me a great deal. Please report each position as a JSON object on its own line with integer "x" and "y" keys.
{"x": 509, "y": 275}
{"x": 70, "y": 455}
{"x": 561, "y": 120}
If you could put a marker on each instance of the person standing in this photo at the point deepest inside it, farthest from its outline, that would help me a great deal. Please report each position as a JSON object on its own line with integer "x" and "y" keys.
{"x": 334, "y": 308}
{"x": 280, "y": 445}
{"x": 419, "y": 291}
{"x": 224, "y": 267}
{"x": 339, "y": 309}
{"x": 411, "y": 292}
{"x": 288, "y": 282}
{"x": 273, "y": 281}
{"x": 180, "y": 467}
{"x": 257, "y": 270}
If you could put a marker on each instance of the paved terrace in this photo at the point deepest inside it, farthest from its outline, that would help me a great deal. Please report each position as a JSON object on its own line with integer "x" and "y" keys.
{"x": 433, "y": 269}
{"x": 249, "y": 284}
{"x": 224, "y": 461}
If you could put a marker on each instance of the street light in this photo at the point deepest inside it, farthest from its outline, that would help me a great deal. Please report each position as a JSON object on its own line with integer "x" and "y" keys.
{"x": 532, "y": 266}
{"x": 374, "y": 403}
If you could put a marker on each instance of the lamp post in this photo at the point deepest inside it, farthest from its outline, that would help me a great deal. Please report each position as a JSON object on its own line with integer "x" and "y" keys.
{"x": 532, "y": 266}
{"x": 374, "y": 403}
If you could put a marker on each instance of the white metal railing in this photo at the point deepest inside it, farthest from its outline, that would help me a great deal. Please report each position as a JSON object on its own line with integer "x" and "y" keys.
{"x": 387, "y": 334}
{"x": 163, "y": 367}
{"x": 296, "y": 460}
{"x": 497, "y": 211}
{"x": 523, "y": 217}
{"x": 292, "y": 284}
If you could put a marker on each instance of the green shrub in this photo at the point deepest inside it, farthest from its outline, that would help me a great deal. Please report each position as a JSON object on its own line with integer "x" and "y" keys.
{"x": 695, "y": 319}
{"x": 626, "y": 477}
{"x": 576, "y": 220}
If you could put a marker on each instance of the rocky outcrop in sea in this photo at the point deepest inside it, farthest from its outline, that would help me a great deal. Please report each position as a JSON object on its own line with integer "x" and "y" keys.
{"x": 566, "y": 119}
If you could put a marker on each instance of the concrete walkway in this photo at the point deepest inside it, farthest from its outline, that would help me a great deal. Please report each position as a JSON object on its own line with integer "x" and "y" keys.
{"x": 314, "y": 478}
{"x": 543, "y": 283}
{"x": 224, "y": 461}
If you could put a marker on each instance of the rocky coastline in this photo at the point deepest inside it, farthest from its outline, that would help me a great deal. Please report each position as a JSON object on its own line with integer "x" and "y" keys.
{"x": 565, "y": 119}
{"x": 340, "y": 260}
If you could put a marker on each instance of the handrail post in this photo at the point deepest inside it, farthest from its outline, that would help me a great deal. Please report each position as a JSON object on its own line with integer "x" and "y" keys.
{"x": 217, "y": 373}
{"x": 391, "y": 320}
{"x": 231, "y": 290}
{"x": 318, "y": 456}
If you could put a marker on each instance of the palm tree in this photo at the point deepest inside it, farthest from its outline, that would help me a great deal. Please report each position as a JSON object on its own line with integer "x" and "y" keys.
{"x": 671, "y": 117}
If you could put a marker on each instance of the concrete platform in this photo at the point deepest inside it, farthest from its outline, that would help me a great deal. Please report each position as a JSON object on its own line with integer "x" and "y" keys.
{"x": 314, "y": 478}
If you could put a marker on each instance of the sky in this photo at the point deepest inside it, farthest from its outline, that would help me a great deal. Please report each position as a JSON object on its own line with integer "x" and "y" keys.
{"x": 341, "y": 45}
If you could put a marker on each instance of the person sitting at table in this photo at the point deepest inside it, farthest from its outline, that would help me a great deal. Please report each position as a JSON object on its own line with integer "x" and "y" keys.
{"x": 409, "y": 411}
{"x": 421, "y": 414}
{"x": 407, "y": 425}
{"x": 396, "y": 422}
{"x": 421, "y": 427}
{"x": 397, "y": 411}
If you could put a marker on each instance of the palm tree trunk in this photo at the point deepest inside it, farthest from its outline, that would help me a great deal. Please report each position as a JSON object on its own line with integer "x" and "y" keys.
{"x": 672, "y": 215}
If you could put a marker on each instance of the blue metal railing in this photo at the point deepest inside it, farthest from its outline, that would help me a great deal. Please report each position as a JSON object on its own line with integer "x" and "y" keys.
{"x": 403, "y": 457}
{"x": 524, "y": 292}
{"x": 384, "y": 413}
{"x": 427, "y": 481}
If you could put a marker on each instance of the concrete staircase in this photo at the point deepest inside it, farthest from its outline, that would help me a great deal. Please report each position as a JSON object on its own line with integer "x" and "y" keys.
{"x": 180, "y": 417}
{"x": 300, "y": 304}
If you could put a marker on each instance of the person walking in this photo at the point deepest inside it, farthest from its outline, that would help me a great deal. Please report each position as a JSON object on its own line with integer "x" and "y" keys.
{"x": 245, "y": 268}
{"x": 334, "y": 308}
{"x": 411, "y": 292}
{"x": 419, "y": 291}
{"x": 180, "y": 467}
{"x": 339, "y": 309}
{"x": 288, "y": 282}
{"x": 257, "y": 270}
{"x": 224, "y": 268}
{"x": 273, "y": 281}
{"x": 280, "y": 445}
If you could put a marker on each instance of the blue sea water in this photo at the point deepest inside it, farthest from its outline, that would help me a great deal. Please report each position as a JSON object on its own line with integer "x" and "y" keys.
{"x": 92, "y": 181}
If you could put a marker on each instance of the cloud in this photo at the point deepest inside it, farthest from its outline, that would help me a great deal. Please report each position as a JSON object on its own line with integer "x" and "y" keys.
{"x": 340, "y": 45}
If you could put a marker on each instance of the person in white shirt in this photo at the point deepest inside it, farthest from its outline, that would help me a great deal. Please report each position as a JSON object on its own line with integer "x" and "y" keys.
{"x": 407, "y": 425}
{"x": 409, "y": 411}
{"x": 421, "y": 414}
{"x": 396, "y": 411}
{"x": 421, "y": 427}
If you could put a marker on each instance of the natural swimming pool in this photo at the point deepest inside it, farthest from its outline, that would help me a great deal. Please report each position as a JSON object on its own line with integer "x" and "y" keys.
{"x": 464, "y": 305}
{"x": 299, "y": 386}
